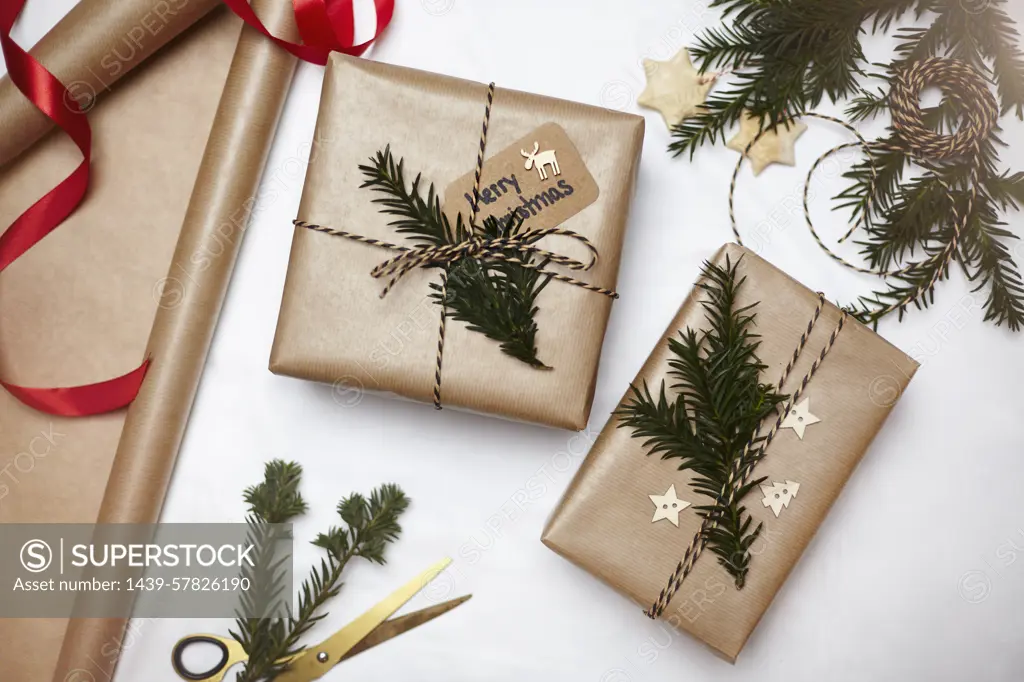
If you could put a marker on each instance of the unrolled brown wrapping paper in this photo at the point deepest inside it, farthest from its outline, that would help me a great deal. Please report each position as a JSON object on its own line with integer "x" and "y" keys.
{"x": 603, "y": 523}
{"x": 177, "y": 163}
{"x": 89, "y": 50}
{"x": 192, "y": 294}
{"x": 79, "y": 306}
{"x": 335, "y": 328}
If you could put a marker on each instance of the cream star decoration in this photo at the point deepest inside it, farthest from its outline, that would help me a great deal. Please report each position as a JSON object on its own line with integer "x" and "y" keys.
{"x": 668, "y": 506}
{"x": 799, "y": 418}
{"x": 774, "y": 147}
{"x": 675, "y": 88}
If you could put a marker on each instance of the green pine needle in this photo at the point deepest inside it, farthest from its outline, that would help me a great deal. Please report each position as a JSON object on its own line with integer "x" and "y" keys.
{"x": 717, "y": 404}
{"x": 790, "y": 55}
{"x": 496, "y": 298}
{"x": 370, "y": 525}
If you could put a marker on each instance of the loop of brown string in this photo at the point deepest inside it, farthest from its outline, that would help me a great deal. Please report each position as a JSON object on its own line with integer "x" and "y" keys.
{"x": 475, "y": 247}
{"x": 970, "y": 95}
{"x": 978, "y": 114}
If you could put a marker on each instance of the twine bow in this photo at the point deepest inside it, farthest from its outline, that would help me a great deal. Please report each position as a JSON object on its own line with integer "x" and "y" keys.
{"x": 475, "y": 247}
{"x": 978, "y": 114}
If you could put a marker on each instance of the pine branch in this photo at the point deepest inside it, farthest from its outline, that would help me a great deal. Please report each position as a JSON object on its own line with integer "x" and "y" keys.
{"x": 792, "y": 54}
{"x": 921, "y": 43}
{"x": 919, "y": 211}
{"x": 276, "y": 500}
{"x": 496, "y": 298}
{"x": 884, "y": 12}
{"x": 664, "y": 424}
{"x": 915, "y": 285}
{"x": 721, "y": 110}
{"x": 719, "y": 402}
{"x": 1007, "y": 60}
{"x": 1006, "y": 189}
{"x": 370, "y": 526}
{"x": 867, "y": 105}
{"x": 993, "y": 268}
{"x": 421, "y": 218}
{"x": 875, "y": 182}
{"x": 789, "y": 56}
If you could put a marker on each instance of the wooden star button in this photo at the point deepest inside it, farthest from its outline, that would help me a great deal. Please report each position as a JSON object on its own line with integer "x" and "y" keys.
{"x": 675, "y": 88}
{"x": 799, "y": 418}
{"x": 775, "y": 146}
{"x": 668, "y": 506}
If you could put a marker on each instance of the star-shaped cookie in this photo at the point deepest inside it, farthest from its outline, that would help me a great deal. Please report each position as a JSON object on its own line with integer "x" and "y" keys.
{"x": 675, "y": 88}
{"x": 799, "y": 418}
{"x": 775, "y": 146}
{"x": 668, "y": 506}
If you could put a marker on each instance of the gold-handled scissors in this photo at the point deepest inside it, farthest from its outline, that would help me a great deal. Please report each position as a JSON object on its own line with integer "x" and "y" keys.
{"x": 365, "y": 632}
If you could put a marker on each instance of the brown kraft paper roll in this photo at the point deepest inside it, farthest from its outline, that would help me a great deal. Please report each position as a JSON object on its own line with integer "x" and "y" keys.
{"x": 604, "y": 521}
{"x": 79, "y": 306}
{"x": 193, "y": 292}
{"x": 89, "y": 50}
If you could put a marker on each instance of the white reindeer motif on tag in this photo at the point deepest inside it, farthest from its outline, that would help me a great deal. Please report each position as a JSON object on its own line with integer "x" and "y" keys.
{"x": 545, "y": 158}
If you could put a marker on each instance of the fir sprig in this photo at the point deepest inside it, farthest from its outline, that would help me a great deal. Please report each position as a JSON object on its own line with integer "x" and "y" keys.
{"x": 790, "y": 55}
{"x": 718, "y": 403}
{"x": 421, "y": 219}
{"x": 370, "y": 525}
{"x": 498, "y": 298}
{"x": 495, "y": 297}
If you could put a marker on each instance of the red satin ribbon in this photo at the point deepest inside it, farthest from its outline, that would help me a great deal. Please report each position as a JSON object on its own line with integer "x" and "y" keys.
{"x": 53, "y": 99}
{"x": 324, "y": 25}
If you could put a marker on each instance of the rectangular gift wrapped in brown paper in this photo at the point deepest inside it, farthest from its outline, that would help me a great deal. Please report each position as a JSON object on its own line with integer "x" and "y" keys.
{"x": 335, "y": 328}
{"x": 604, "y": 521}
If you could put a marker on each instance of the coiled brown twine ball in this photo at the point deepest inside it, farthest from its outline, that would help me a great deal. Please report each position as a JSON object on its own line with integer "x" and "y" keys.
{"x": 968, "y": 91}
{"x": 977, "y": 113}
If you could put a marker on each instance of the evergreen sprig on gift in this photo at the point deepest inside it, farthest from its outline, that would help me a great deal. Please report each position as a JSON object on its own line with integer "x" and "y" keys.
{"x": 788, "y": 56}
{"x": 370, "y": 526}
{"x": 717, "y": 404}
{"x": 495, "y": 297}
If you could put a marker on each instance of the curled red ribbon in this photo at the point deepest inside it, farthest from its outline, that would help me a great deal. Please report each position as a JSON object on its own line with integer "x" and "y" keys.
{"x": 51, "y": 97}
{"x": 325, "y": 26}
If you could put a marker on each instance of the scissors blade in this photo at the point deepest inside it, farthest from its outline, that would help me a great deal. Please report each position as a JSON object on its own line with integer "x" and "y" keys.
{"x": 316, "y": 661}
{"x": 390, "y": 629}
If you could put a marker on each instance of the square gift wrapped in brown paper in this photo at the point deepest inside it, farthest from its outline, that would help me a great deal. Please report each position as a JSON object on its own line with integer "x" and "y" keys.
{"x": 528, "y": 282}
{"x": 637, "y": 519}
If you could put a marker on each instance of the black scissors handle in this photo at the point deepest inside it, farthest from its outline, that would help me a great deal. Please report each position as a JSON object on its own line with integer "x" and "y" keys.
{"x": 179, "y": 651}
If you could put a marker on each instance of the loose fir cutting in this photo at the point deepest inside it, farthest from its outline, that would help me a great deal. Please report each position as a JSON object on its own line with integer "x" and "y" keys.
{"x": 370, "y": 525}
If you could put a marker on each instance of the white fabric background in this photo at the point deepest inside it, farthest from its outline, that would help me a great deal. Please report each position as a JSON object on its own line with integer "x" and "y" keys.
{"x": 911, "y": 577}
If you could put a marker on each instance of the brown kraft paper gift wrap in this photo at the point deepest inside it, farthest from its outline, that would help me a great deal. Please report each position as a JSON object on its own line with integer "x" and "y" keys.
{"x": 603, "y": 522}
{"x": 335, "y": 328}
{"x": 93, "y": 47}
{"x": 140, "y": 257}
